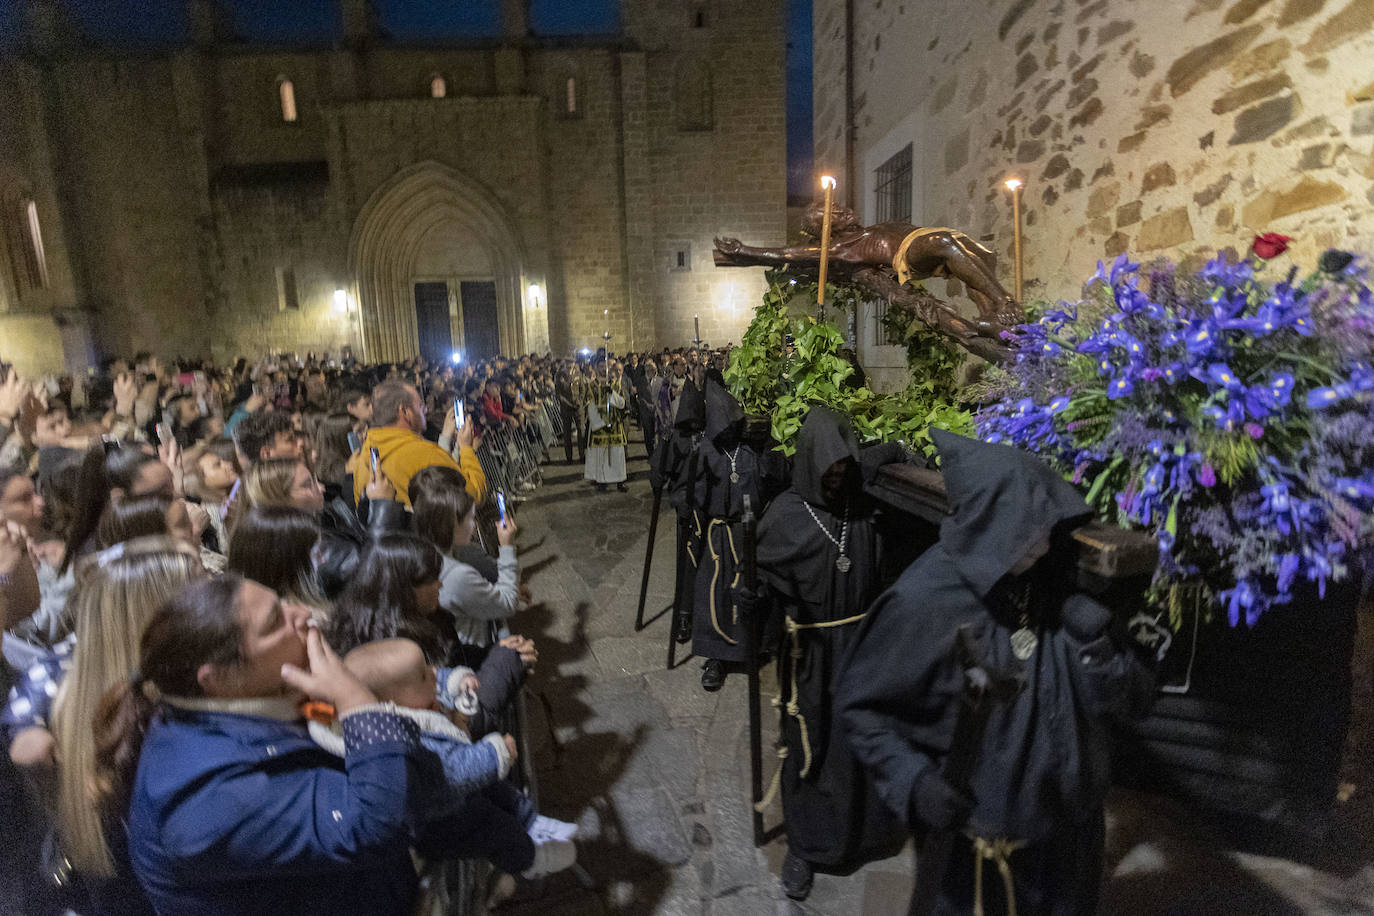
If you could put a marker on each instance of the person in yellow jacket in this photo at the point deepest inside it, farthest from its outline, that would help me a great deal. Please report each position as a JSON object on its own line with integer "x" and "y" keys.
{"x": 402, "y": 451}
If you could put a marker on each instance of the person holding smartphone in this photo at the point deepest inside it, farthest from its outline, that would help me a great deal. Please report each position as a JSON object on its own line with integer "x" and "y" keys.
{"x": 398, "y": 415}
{"x": 445, "y": 514}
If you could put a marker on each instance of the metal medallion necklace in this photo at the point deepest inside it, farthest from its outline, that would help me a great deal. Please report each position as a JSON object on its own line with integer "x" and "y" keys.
{"x": 1023, "y": 639}
{"x": 734, "y": 474}
{"x": 843, "y": 563}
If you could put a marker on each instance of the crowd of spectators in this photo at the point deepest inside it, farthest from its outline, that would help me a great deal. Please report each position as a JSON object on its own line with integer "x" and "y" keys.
{"x": 257, "y": 620}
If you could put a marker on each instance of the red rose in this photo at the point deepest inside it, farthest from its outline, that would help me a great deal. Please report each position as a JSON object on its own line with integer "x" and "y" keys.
{"x": 1270, "y": 245}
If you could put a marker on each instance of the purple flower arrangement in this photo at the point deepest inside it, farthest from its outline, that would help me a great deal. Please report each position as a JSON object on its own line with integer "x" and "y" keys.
{"x": 1230, "y": 416}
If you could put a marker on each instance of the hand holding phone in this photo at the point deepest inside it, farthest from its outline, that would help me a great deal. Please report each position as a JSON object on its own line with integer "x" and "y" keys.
{"x": 505, "y": 529}
{"x": 458, "y": 413}
{"x": 376, "y": 461}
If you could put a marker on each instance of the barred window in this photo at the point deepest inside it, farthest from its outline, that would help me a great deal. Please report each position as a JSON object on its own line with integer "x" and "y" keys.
{"x": 892, "y": 185}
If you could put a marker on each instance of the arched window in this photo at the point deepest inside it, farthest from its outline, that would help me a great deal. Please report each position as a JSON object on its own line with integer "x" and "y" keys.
{"x": 699, "y": 19}
{"x": 287, "y": 91}
{"x": 437, "y": 87}
{"x": 571, "y": 100}
{"x": 21, "y": 238}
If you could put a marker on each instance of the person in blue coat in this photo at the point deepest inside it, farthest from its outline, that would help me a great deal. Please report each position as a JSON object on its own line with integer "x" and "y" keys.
{"x": 231, "y": 807}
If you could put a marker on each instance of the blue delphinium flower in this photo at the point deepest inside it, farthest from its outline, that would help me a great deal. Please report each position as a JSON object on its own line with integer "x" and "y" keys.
{"x": 1179, "y": 359}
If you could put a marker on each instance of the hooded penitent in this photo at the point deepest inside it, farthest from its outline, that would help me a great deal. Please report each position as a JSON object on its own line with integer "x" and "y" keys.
{"x": 727, "y": 471}
{"x": 834, "y": 819}
{"x": 1042, "y": 766}
{"x": 673, "y": 467}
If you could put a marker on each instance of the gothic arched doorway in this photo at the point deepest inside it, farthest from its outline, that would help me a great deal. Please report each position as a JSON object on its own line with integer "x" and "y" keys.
{"x": 430, "y": 225}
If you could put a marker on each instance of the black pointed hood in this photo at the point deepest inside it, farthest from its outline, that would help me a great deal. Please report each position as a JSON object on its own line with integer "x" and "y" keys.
{"x": 1003, "y": 501}
{"x": 723, "y": 412}
{"x": 691, "y": 409}
{"x": 826, "y": 436}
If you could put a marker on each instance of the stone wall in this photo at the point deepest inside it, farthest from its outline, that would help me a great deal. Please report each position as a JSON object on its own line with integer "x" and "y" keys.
{"x": 266, "y": 228}
{"x": 1169, "y": 128}
{"x": 727, "y": 181}
{"x": 136, "y": 189}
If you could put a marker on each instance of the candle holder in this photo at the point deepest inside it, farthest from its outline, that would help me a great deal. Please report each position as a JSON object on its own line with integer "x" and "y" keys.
{"x": 1014, "y": 185}
{"x": 828, "y": 186}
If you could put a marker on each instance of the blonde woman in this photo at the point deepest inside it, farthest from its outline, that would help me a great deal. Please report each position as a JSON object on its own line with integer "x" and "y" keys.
{"x": 343, "y": 534}
{"x": 284, "y": 482}
{"x": 117, "y": 592}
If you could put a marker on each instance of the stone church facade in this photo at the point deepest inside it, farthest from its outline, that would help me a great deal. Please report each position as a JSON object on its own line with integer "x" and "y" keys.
{"x": 511, "y": 195}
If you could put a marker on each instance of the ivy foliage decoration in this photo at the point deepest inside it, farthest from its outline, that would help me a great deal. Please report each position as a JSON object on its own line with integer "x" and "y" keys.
{"x": 784, "y": 366}
{"x": 933, "y": 362}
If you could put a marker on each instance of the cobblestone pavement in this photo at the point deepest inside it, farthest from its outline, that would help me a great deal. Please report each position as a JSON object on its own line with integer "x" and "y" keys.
{"x": 655, "y": 771}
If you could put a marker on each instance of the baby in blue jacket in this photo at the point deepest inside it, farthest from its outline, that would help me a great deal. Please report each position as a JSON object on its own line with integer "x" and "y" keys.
{"x": 481, "y": 814}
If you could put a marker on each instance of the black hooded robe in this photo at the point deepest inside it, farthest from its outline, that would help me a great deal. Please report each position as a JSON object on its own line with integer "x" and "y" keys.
{"x": 834, "y": 818}
{"x": 718, "y": 505}
{"x": 1042, "y": 771}
{"x": 671, "y": 469}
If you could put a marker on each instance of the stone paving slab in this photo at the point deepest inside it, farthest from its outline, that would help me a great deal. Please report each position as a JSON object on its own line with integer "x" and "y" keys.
{"x": 655, "y": 770}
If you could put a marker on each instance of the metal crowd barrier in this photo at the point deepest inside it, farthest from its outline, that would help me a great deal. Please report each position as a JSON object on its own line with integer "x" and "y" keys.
{"x": 511, "y": 456}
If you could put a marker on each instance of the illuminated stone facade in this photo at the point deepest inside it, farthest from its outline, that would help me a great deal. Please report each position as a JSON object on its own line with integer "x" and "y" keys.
{"x": 182, "y": 212}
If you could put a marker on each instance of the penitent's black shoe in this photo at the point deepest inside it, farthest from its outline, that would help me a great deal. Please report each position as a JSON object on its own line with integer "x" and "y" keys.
{"x": 712, "y": 675}
{"x": 796, "y": 877}
{"x": 682, "y": 627}
{"x": 622, "y": 488}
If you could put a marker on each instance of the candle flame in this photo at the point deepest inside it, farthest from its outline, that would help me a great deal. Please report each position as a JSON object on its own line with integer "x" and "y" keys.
{"x": 1012, "y": 183}
{"x": 827, "y": 181}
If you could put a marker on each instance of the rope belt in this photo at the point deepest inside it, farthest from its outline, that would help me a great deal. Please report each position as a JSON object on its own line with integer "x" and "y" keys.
{"x": 715, "y": 574}
{"x": 996, "y": 850}
{"x": 776, "y": 782}
{"x": 793, "y": 709}
{"x": 899, "y": 262}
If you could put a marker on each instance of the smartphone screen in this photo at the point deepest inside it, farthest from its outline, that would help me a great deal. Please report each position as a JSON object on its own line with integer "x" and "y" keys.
{"x": 376, "y": 463}
{"x": 353, "y": 443}
{"x": 164, "y": 433}
{"x": 458, "y": 413}
{"x": 501, "y": 504}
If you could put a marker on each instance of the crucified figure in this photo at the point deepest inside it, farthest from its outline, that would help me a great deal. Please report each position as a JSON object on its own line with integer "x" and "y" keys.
{"x": 900, "y": 249}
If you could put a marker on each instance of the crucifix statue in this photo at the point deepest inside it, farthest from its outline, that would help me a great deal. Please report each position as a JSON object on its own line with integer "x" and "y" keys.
{"x": 882, "y": 258}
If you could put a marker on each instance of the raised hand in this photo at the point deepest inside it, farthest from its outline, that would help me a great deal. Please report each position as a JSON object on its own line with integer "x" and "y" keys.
{"x": 125, "y": 393}
{"x": 11, "y": 397}
{"x": 328, "y": 679}
{"x": 467, "y": 436}
{"x": 169, "y": 453}
{"x": 380, "y": 487}
{"x": 528, "y": 653}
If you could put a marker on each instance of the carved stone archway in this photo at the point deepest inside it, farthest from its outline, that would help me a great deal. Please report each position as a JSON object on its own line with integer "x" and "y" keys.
{"x": 387, "y": 236}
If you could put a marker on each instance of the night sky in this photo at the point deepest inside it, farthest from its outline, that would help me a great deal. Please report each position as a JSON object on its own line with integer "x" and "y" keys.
{"x": 155, "y": 23}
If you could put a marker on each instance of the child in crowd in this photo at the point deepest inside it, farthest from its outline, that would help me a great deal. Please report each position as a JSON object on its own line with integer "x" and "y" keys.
{"x": 483, "y": 815}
